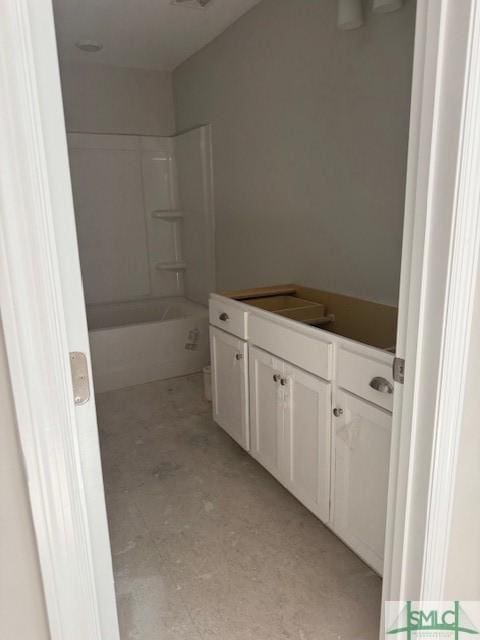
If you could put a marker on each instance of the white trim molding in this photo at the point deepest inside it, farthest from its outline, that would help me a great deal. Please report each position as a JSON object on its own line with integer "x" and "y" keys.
{"x": 35, "y": 331}
{"x": 416, "y": 205}
{"x": 440, "y": 263}
{"x": 457, "y": 322}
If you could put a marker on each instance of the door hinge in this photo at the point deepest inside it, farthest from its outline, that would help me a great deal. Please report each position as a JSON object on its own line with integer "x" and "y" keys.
{"x": 81, "y": 383}
{"x": 399, "y": 370}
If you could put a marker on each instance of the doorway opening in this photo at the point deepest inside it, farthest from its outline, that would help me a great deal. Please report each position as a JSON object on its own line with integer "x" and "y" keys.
{"x": 218, "y": 149}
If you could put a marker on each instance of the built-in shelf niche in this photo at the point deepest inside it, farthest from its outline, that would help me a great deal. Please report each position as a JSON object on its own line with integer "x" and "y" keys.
{"x": 171, "y": 266}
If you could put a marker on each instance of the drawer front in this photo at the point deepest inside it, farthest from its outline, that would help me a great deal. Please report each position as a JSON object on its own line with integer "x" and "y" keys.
{"x": 356, "y": 373}
{"x": 229, "y": 317}
{"x": 307, "y": 352}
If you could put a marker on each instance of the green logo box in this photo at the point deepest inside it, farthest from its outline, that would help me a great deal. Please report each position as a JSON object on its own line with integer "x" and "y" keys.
{"x": 449, "y": 620}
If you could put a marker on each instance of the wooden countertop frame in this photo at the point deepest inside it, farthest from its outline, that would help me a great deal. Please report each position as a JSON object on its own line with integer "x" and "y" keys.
{"x": 369, "y": 322}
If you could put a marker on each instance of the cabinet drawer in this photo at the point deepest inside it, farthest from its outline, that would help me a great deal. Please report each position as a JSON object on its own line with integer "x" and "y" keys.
{"x": 356, "y": 371}
{"x": 308, "y": 352}
{"x": 229, "y": 316}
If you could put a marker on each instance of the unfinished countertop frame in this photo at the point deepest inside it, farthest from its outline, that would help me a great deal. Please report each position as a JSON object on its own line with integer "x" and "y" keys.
{"x": 370, "y": 323}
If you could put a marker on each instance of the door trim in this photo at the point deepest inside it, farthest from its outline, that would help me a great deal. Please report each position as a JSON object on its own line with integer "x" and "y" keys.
{"x": 439, "y": 266}
{"x": 463, "y": 263}
{"x": 34, "y": 322}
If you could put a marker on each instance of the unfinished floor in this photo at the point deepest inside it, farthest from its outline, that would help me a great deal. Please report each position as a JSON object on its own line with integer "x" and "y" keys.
{"x": 206, "y": 544}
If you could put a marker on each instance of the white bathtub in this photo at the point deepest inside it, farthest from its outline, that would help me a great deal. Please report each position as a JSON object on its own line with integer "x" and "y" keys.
{"x": 137, "y": 342}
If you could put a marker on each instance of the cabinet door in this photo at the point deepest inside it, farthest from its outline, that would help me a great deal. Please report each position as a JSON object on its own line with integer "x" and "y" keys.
{"x": 360, "y": 479}
{"x": 230, "y": 385}
{"x": 308, "y": 410}
{"x": 266, "y": 410}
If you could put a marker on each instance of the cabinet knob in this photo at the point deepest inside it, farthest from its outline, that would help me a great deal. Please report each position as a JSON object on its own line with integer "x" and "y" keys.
{"x": 276, "y": 377}
{"x": 382, "y": 385}
{"x": 239, "y": 356}
{"x": 337, "y": 412}
{"x": 283, "y": 381}
{"x": 223, "y": 317}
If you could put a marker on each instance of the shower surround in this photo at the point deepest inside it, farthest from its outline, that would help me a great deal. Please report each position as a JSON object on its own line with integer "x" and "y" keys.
{"x": 145, "y": 224}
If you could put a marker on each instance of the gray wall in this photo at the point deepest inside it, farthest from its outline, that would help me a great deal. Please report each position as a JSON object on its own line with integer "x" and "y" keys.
{"x": 22, "y": 608}
{"x": 310, "y": 129}
{"x": 103, "y": 99}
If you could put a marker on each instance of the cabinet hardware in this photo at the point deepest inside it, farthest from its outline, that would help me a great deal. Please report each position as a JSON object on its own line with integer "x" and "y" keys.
{"x": 223, "y": 317}
{"x": 337, "y": 412}
{"x": 239, "y": 356}
{"x": 382, "y": 385}
{"x": 283, "y": 381}
{"x": 276, "y": 377}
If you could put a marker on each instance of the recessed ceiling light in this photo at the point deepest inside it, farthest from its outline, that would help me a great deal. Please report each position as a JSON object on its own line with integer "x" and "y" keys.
{"x": 89, "y": 45}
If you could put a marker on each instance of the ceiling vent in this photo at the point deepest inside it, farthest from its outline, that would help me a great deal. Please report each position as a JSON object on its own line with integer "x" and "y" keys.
{"x": 191, "y": 4}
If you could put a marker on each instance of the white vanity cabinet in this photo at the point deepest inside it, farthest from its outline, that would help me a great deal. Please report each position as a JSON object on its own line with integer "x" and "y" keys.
{"x": 360, "y": 475}
{"x": 230, "y": 384}
{"x": 290, "y": 424}
{"x": 311, "y": 405}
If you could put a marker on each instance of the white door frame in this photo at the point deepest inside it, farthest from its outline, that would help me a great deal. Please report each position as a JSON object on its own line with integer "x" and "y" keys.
{"x": 439, "y": 261}
{"x": 43, "y": 316}
{"x": 439, "y": 269}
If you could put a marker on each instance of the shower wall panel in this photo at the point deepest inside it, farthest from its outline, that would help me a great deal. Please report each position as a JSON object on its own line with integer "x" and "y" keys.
{"x": 195, "y": 184}
{"x": 144, "y": 215}
{"x": 119, "y": 184}
{"x": 108, "y": 195}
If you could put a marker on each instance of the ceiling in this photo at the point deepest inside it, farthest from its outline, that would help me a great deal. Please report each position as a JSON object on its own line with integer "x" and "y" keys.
{"x": 145, "y": 34}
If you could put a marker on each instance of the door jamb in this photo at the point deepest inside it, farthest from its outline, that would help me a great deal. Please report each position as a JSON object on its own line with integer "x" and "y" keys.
{"x": 34, "y": 322}
{"x": 439, "y": 267}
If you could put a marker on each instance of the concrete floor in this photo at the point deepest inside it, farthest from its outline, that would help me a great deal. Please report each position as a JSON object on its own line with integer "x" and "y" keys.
{"x": 206, "y": 544}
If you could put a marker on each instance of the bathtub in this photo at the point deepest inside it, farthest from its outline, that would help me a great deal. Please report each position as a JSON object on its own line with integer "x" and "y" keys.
{"x": 136, "y": 342}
